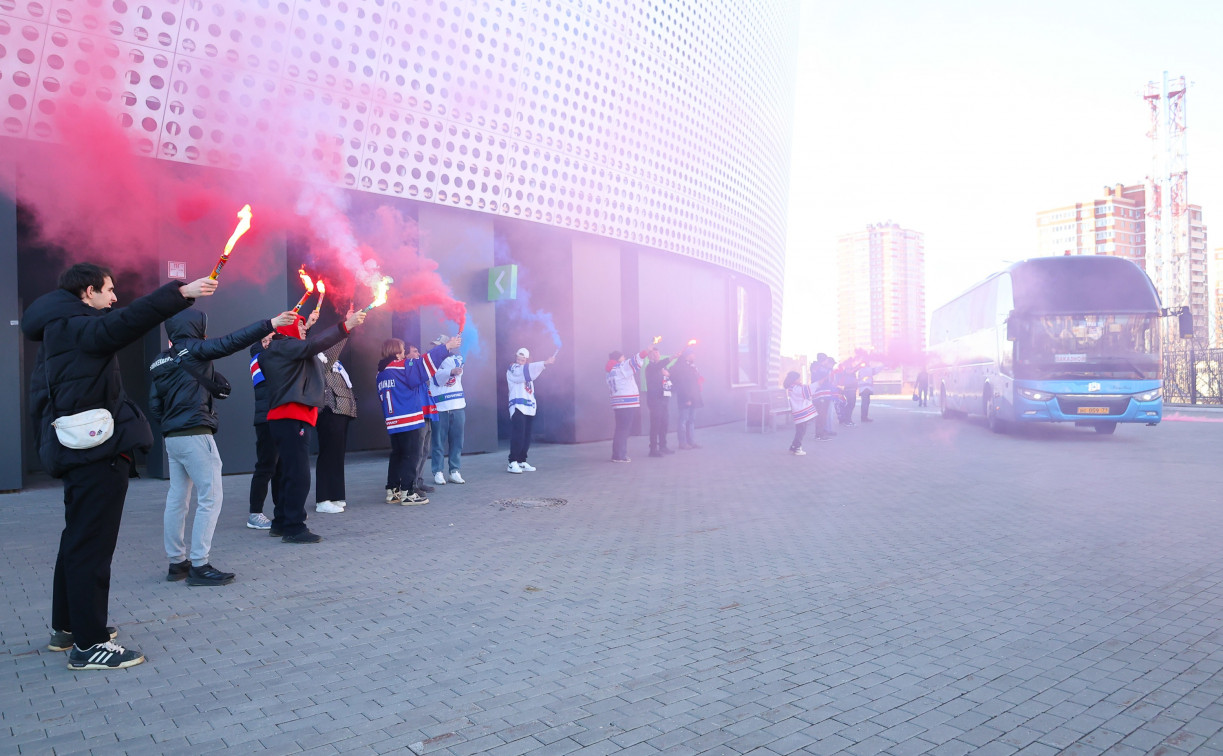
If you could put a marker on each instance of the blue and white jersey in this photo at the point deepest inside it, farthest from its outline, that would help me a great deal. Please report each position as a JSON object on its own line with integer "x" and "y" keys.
{"x": 521, "y": 379}
{"x": 447, "y": 389}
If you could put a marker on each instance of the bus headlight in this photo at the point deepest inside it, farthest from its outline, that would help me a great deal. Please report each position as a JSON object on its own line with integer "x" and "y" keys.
{"x": 1036, "y": 396}
{"x": 1148, "y": 396}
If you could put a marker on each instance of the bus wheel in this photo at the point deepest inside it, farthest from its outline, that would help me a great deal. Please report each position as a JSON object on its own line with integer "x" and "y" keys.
{"x": 992, "y": 420}
{"x": 1106, "y": 428}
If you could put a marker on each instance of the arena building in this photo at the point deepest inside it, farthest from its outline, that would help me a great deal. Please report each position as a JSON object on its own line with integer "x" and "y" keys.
{"x": 584, "y": 173}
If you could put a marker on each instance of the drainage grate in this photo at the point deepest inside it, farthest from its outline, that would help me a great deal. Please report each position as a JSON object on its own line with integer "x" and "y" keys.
{"x": 539, "y": 502}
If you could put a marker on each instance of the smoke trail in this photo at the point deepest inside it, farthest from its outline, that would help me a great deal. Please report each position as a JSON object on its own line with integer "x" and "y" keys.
{"x": 521, "y": 309}
{"x": 471, "y": 340}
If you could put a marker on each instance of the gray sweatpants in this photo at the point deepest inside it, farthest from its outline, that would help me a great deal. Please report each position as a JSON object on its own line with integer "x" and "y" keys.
{"x": 194, "y": 464}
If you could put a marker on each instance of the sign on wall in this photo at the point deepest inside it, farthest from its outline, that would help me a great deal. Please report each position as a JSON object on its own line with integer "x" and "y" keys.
{"x": 502, "y": 282}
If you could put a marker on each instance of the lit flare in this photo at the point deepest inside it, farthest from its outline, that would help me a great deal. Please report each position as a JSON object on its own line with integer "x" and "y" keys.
{"x": 657, "y": 339}
{"x": 380, "y": 290}
{"x": 322, "y": 291}
{"x": 309, "y": 284}
{"x": 244, "y": 225}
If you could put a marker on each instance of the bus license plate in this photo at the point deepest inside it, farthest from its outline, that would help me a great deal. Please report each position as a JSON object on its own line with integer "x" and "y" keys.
{"x": 1093, "y": 410}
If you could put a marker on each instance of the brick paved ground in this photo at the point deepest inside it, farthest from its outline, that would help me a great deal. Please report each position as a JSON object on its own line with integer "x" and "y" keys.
{"x": 914, "y": 586}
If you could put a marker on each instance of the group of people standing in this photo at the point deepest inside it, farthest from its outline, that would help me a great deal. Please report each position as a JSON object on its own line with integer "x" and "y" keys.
{"x": 658, "y": 377}
{"x": 833, "y": 391}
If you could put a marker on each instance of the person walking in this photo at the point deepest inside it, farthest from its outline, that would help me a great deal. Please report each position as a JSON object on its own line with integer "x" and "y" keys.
{"x": 802, "y": 409}
{"x": 621, "y": 374}
{"x": 338, "y": 410}
{"x": 656, "y": 385}
{"x": 687, "y": 380}
{"x": 403, "y": 376}
{"x": 184, "y": 385}
{"x": 295, "y": 392}
{"x": 76, "y": 371}
{"x": 521, "y": 377}
{"x": 446, "y": 388}
{"x": 923, "y": 387}
{"x": 866, "y": 382}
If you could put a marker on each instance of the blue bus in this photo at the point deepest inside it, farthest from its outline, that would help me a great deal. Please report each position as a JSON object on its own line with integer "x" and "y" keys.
{"x": 1053, "y": 339}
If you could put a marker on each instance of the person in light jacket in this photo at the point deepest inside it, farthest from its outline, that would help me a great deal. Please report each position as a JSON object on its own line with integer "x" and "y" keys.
{"x": 521, "y": 377}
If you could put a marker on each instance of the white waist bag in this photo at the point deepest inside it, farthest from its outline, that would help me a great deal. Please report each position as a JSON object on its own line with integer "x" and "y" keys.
{"x": 84, "y": 430}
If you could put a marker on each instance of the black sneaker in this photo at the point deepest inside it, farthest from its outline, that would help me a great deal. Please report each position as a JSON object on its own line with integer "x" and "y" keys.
{"x": 303, "y": 537}
{"x": 178, "y": 570}
{"x": 61, "y": 640}
{"x": 209, "y": 575}
{"x": 106, "y": 655}
{"x": 273, "y": 532}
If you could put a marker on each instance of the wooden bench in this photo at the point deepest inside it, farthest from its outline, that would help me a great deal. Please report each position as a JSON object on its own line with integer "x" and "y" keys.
{"x": 764, "y": 407}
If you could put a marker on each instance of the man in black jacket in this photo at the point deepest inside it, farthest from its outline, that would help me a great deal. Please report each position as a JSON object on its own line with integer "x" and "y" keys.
{"x": 295, "y": 392}
{"x": 76, "y": 370}
{"x": 267, "y": 461}
{"x": 657, "y": 390}
{"x": 184, "y": 385}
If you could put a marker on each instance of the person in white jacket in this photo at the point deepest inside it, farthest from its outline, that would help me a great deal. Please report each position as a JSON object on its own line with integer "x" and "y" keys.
{"x": 625, "y": 398}
{"x": 446, "y": 388}
{"x": 521, "y": 378}
{"x": 802, "y": 409}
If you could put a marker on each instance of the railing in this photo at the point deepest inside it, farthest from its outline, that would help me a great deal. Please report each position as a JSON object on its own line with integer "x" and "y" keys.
{"x": 1193, "y": 373}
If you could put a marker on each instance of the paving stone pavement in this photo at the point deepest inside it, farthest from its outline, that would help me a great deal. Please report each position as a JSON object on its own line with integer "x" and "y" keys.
{"x": 914, "y": 586}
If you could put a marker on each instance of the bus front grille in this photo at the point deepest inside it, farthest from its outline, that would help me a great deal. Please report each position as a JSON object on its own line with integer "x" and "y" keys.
{"x": 1086, "y": 405}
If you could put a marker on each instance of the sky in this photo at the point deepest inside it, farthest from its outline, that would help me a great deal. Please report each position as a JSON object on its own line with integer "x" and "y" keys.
{"x": 963, "y": 119}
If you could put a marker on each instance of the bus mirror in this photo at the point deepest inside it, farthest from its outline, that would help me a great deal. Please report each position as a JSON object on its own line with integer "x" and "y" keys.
{"x": 1012, "y": 328}
{"x": 1185, "y": 322}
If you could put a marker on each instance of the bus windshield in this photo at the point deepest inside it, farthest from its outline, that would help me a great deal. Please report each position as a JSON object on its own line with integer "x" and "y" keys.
{"x": 1067, "y": 347}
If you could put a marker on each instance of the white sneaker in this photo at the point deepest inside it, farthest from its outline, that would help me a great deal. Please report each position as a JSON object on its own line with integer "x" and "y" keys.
{"x": 513, "y": 467}
{"x": 258, "y": 521}
{"x": 392, "y": 495}
{"x": 798, "y": 452}
{"x": 439, "y": 478}
{"x": 328, "y": 507}
{"x": 340, "y": 503}
{"x": 455, "y": 477}
{"x": 526, "y": 467}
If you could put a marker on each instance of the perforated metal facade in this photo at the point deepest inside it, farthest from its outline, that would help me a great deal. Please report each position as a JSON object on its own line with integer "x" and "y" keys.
{"x": 664, "y": 123}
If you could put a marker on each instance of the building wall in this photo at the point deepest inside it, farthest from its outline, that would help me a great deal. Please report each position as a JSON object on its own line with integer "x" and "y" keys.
{"x": 624, "y": 128}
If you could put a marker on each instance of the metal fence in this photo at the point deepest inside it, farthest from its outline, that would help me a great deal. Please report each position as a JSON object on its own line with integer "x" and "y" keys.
{"x": 1193, "y": 373}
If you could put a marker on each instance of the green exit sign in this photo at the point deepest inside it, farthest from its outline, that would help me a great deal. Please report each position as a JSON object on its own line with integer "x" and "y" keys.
{"x": 502, "y": 282}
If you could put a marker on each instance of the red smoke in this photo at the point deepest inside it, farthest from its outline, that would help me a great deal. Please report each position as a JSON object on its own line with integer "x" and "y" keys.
{"x": 93, "y": 194}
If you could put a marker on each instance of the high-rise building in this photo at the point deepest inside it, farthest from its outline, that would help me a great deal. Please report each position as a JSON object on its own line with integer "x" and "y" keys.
{"x": 882, "y": 290}
{"x": 1115, "y": 224}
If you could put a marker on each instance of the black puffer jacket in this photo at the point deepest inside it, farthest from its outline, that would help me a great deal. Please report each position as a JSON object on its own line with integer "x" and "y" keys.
{"x": 291, "y": 370}
{"x": 77, "y": 359}
{"x": 177, "y": 400}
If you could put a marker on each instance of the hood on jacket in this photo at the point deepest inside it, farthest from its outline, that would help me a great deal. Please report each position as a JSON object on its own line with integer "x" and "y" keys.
{"x": 290, "y": 330}
{"x": 382, "y": 363}
{"x": 188, "y": 324}
{"x": 52, "y": 306}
